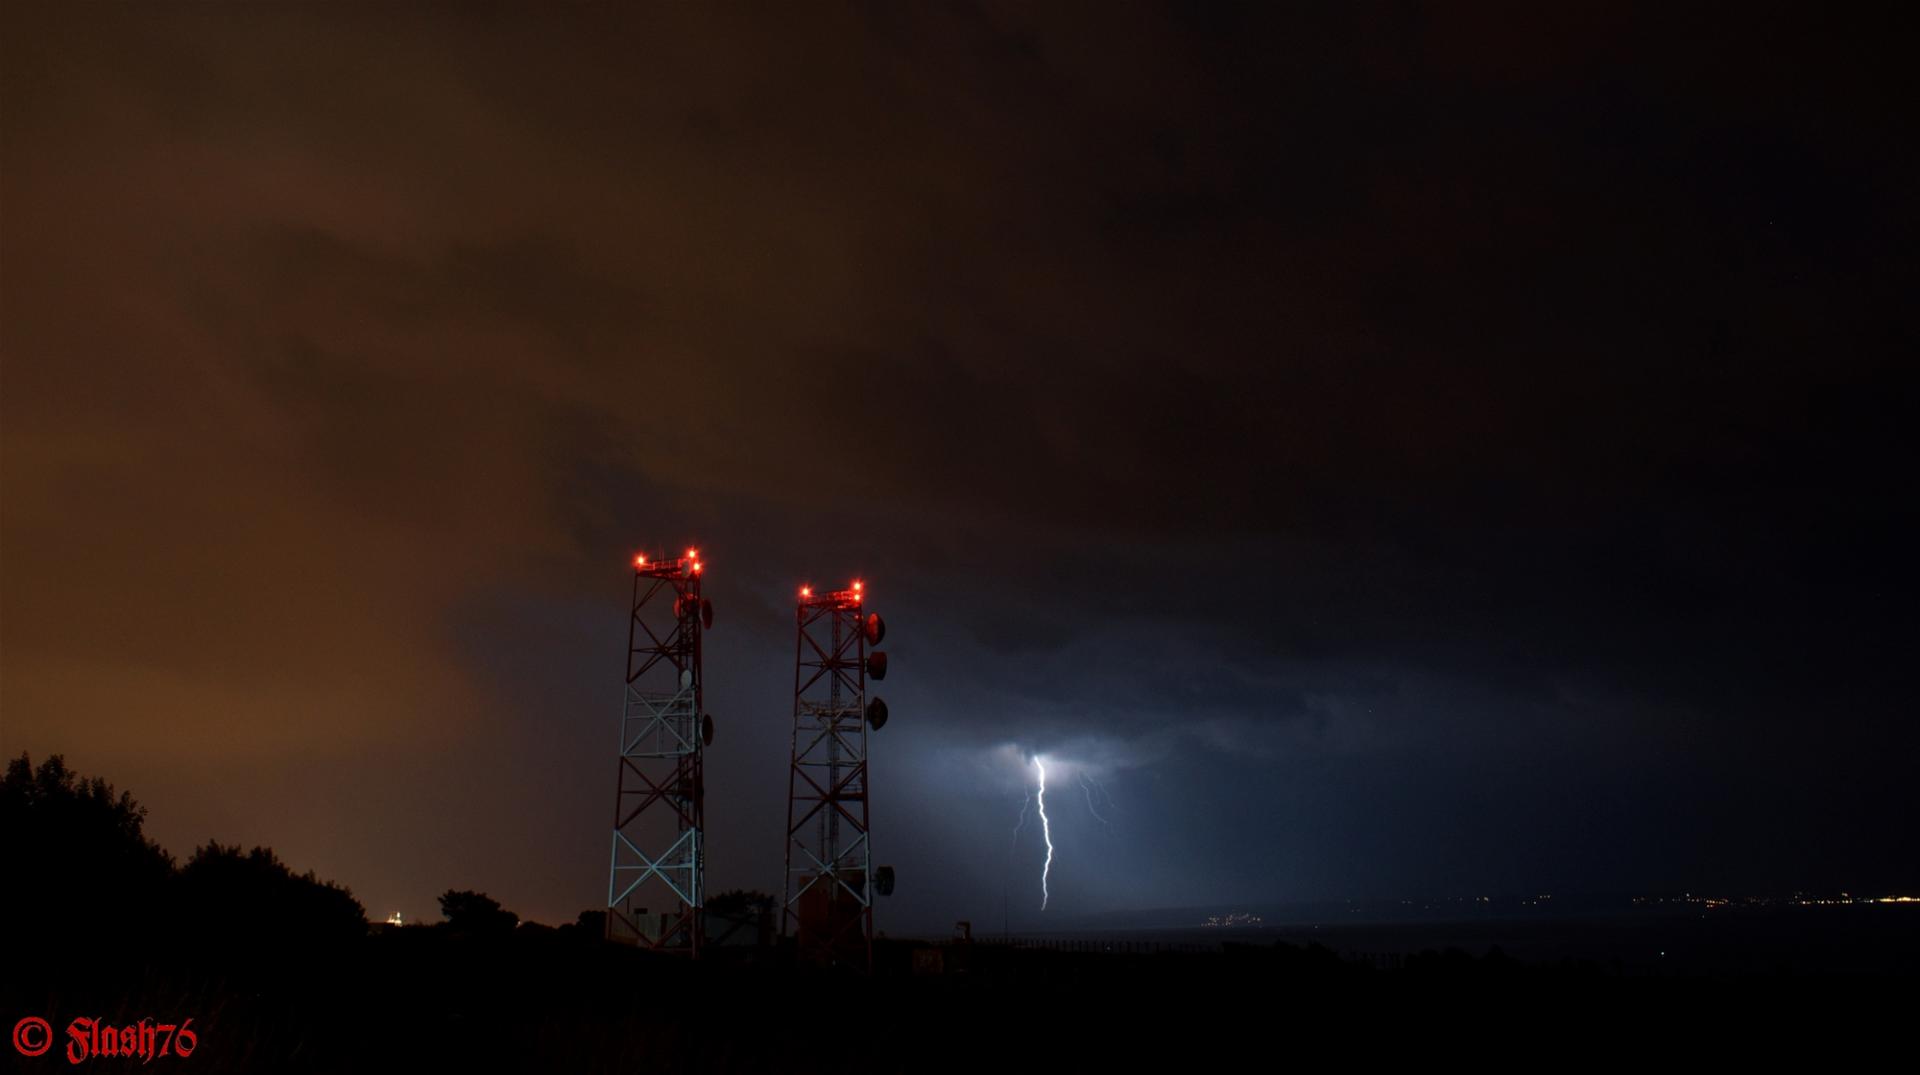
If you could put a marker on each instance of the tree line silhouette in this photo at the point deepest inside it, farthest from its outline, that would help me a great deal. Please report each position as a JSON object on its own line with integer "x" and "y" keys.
{"x": 80, "y": 867}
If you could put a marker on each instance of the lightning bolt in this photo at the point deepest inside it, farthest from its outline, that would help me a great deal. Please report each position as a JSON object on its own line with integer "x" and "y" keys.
{"x": 1046, "y": 829}
{"x": 1105, "y": 794}
{"x": 1087, "y": 786}
{"x": 1025, "y": 802}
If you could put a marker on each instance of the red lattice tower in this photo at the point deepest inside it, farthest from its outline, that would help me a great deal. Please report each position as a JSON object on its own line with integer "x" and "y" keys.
{"x": 830, "y": 881}
{"x": 656, "y": 884}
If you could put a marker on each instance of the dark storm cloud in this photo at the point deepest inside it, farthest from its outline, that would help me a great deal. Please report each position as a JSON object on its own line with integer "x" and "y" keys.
{"x": 1424, "y": 408}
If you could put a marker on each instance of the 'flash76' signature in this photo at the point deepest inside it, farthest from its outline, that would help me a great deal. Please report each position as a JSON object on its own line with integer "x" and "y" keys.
{"x": 86, "y": 1038}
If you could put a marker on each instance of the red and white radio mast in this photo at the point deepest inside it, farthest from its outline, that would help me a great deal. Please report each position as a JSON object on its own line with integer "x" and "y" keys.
{"x": 655, "y": 887}
{"x": 827, "y": 901}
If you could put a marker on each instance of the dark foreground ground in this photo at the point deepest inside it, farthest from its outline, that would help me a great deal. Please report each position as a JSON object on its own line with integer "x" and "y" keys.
{"x": 1771, "y": 988}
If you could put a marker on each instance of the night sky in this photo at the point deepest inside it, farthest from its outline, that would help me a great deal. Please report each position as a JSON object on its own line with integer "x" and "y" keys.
{"x": 1399, "y": 453}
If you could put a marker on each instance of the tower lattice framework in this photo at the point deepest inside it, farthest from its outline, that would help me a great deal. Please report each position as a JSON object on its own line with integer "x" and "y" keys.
{"x": 830, "y": 879}
{"x": 655, "y": 885}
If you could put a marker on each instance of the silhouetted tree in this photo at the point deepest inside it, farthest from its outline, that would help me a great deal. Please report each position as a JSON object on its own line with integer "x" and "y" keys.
{"x": 476, "y": 913}
{"x": 224, "y": 892}
{"x": 75, "y": 852}
{"x": 590, "y": 925}
{"x": 741, "y": 915}
{"x": 741, "y": 903}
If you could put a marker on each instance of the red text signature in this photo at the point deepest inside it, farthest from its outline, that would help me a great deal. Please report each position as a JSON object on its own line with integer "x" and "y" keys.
{"x": 88, "y": 1038}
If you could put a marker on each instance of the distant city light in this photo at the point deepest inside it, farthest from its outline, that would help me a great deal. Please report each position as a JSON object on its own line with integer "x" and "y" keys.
{"x": 1229, "y": 921}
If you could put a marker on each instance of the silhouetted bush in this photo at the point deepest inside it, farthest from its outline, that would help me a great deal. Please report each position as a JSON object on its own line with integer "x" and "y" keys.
{"x": 741, "y": 903}
{"x": 740, "y": 917}
{"x": 225, "y": 893}
{"x": 590, "y": 925}
{"x": 476, "y": 914}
